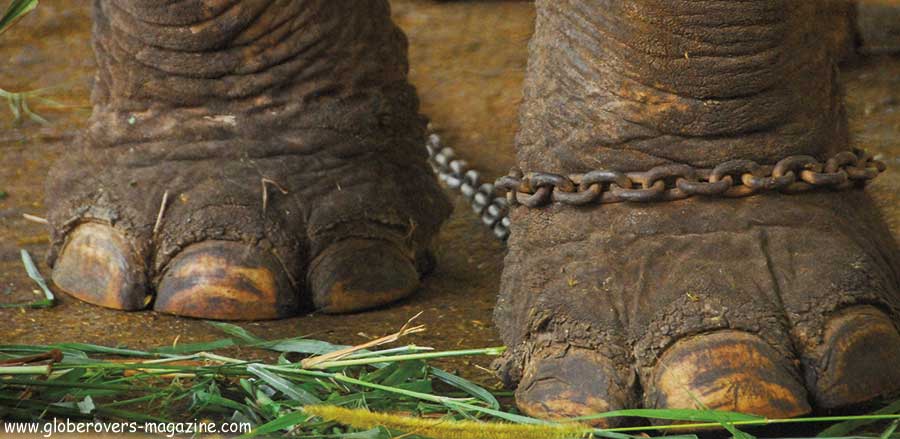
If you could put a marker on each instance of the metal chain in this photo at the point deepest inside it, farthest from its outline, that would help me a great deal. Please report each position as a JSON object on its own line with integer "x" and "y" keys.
{"x": 456, "y": 173}
{"x": 731, "y": 179}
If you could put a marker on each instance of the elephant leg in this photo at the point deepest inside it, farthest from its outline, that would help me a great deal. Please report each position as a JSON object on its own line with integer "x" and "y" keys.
{"x": 772, "y": 304}
{"x": 877, "y": 26}
{"x": 861, "y": 27}
{"x": 245, "y": 160}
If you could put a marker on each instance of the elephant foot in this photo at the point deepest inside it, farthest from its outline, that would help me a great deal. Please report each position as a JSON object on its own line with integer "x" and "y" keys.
{"x": 775, "y": 305}
{"x": 245, "y": 160}
{"x": 230, "y": 238}
{"x": 248, "y": 239}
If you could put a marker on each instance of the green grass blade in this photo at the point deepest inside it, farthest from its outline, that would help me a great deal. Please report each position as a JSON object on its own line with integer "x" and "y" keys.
{"x": 89, "y": 348}
{"x": 53, "y": 104}
{"x": 16, "y": 10}
{"x": 32, "y": 115}
{"x": 722, "y": 420}
{"x": 196, "y": 347}
{"x": 409, "y": 349}
{"x": 130, "y": 415}
{"x": 68, "y": 353}
{"x": 42, "y": 303}
{"x": 35, "y": 275}
{"x": 674, "y": 415}
{"x": 237, "y": 332}
{"x": 296, "y": 393}
{"x": 890, "y": 429}
{"x": 375, "y": 433}
{"x": 847, "y": 427}
{"x": 12, "y": 99}
{"x": 74, "y": 385}
{"x": 766, "y": 421}
{"x": 300, "y": 346}
{"x": 405, "y": 372}
{"x": 204, "y": 399}
{"x": 284, "y": 422}
{"x": 466, "y": 386}
{"x": 407, "y": 357}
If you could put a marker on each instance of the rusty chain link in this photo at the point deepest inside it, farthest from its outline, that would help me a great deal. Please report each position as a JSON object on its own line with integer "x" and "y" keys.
{"x": 731, "y": 179}
{"x": 734, "y": 178}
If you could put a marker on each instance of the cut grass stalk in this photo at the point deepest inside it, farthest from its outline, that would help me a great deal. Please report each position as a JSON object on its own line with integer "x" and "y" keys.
{"x": 407, "y": 357}
{"x": 411, "y": 349}
{"x": 75, "y": 385}
{"x": 26, "y": 370}
{"x": 312, "y": 362}
{"x": 35, "y": 219}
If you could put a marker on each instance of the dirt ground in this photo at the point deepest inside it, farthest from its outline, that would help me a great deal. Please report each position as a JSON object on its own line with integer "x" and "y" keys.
{"x": 467, "y": 60}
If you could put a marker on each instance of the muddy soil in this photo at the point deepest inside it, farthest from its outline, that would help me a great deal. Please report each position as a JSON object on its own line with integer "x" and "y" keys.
{"x": 467, "y": 61}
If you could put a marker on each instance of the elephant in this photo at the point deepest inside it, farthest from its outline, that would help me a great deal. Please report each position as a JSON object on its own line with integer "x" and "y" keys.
{"x": 248, "y": 160}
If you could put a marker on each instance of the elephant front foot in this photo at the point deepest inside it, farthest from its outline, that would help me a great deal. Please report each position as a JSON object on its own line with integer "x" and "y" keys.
{"x": 247, "y": 230}
{"x": 245, "y": 160}
{"x": 775, "y": 305}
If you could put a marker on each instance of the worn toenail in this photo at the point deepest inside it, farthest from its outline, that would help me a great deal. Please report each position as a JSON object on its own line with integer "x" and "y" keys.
{"x": 727, "y": 370}
{"x": 226, "y": 280}
{"x": 574, "y": 382}
{"x": 357, "y": 274}
{"x": 98, "y": 265}
{"x": 858, "y": 343}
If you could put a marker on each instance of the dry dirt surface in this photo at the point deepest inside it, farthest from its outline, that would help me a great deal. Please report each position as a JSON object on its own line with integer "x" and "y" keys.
{"x": 467, "y": 61}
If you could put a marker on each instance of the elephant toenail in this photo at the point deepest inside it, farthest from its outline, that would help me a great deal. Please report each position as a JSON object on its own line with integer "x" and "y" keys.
{"x": 357, "y": 274}
{"x": 858, "y": 343}
{"x": 572, "y": 383}
{"x": 226, "y": 280}
{"x": 727, "y": 370}
{"x": 98, "y": 265}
